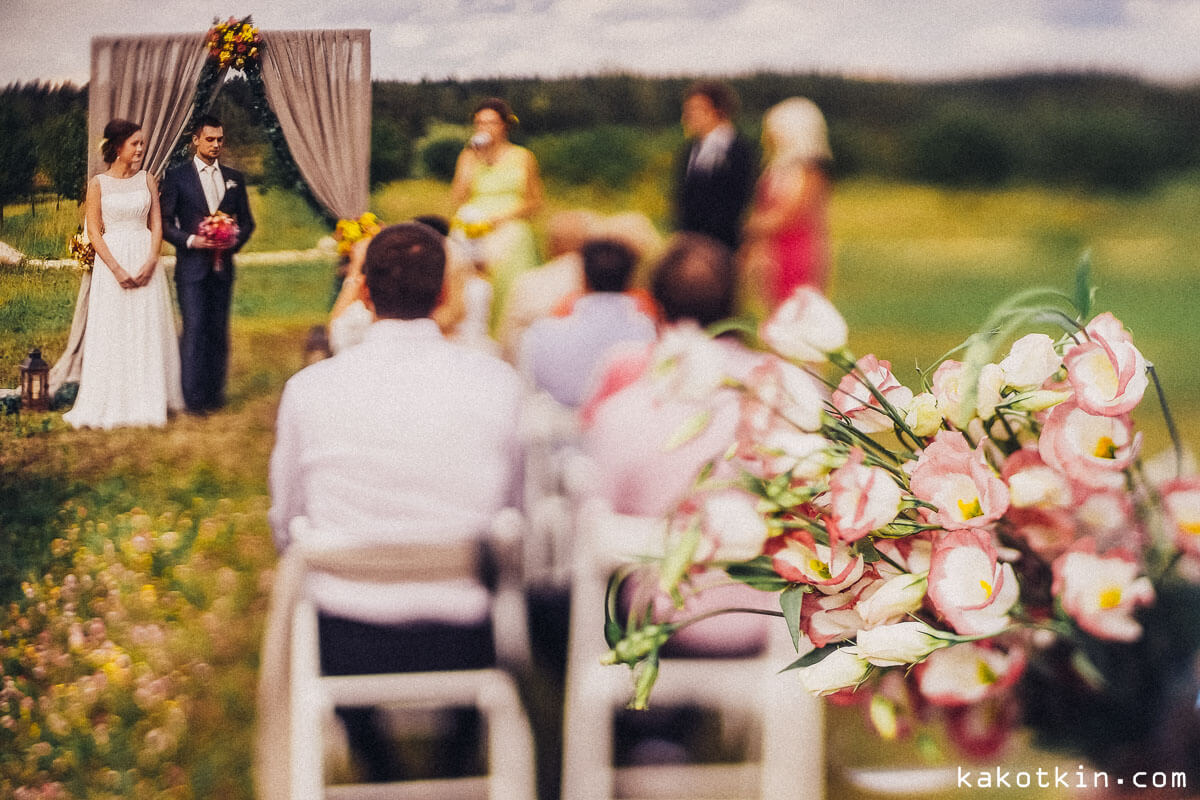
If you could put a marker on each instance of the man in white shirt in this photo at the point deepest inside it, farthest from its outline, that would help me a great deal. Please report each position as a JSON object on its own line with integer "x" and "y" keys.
{"x": 405, "y": 437}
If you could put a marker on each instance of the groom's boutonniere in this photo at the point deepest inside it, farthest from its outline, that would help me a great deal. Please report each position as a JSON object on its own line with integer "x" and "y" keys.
{"x": 230, "y": 184}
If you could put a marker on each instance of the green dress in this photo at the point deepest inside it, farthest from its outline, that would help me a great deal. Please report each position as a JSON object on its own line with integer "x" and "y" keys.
{"x": 509, "y": 249}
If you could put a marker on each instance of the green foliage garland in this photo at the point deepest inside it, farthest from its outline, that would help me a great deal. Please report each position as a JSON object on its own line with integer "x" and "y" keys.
{"x": 263, "y": 115}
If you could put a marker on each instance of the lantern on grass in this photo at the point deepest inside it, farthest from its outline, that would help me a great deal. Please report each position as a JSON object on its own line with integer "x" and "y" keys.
{"x": 35, "y": 382}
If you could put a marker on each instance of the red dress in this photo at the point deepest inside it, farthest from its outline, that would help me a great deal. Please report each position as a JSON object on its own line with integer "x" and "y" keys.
{"x": 799, "y": 250}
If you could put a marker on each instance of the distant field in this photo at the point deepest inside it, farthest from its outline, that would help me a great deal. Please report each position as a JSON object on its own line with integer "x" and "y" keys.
{"x": 916, "y": 268}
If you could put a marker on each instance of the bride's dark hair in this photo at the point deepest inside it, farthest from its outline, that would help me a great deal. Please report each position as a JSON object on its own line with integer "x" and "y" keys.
{"x": 115, "y": 134}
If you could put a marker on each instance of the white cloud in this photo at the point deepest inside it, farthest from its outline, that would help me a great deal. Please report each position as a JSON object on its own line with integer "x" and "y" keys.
{"x": 48, "y": 39}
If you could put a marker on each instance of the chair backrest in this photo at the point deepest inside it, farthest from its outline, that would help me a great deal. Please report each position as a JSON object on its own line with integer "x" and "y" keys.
{"x": 434, "y": 561}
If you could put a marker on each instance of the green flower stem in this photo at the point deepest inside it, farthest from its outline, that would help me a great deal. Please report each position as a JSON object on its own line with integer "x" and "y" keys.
{"x": 1166, "y": 411}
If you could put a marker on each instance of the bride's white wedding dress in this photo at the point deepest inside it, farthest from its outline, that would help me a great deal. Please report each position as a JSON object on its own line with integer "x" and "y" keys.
{"x": 130, "y": 374}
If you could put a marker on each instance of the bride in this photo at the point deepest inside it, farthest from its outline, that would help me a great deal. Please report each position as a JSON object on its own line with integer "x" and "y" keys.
{"x": 130, "y": 373}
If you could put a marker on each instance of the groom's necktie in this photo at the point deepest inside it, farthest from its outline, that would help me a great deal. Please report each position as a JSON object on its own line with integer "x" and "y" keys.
{"x": 212, "y": 188}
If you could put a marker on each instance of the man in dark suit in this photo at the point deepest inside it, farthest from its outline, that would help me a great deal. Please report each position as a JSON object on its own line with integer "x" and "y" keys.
{"x": 715, "y": 173}
{"x": 203, "y": 272}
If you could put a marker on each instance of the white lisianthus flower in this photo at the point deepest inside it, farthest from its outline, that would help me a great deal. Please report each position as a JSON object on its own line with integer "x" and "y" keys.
{"x": 987, "y": 391}
{"x": 923, "y": 416}
{"x": 732, "y": 518}
{"x": 1030, "y": 362}
{"x": 687, "y": 364}
{"x": 1038, "y": 487}
{"x": 899, "y": 643}
{"x": 895, "y": 599}
{"x": 806, "y": 327}
{"x": 841, "y": 669}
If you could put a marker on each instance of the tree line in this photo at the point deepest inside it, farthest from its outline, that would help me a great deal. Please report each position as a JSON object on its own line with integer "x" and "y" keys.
{"x": 1095, "y": 131}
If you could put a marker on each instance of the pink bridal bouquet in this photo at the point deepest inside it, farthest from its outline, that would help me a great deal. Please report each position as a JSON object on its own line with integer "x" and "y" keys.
{"x": 984, "y": 550}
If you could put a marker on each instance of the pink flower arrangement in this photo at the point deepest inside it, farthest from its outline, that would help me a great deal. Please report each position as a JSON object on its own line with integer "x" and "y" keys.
{"x": 221, "y": 228}
{"x": 986, "y": 539}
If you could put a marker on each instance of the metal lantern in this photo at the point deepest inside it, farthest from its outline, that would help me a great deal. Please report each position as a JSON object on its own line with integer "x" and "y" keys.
{"x": 35, "y": 382}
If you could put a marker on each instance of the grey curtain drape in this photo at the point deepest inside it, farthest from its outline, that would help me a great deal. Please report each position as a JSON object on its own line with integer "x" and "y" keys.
{"x": 145, "y": 79}
{"x": 150, "y": 80}
{"x": 318, "y": 83}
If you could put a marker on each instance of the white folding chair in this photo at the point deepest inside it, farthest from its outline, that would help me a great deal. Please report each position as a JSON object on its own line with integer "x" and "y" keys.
{"x": 311, "y": 697}
{"x": 550, "y": 437}
{"x": 786, "y": 764}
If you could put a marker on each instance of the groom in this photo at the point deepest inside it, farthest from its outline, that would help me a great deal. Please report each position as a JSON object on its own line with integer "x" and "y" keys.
{"x": 204, "y": 273}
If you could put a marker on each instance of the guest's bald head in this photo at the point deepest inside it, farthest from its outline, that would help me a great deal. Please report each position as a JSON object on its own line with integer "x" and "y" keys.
{"x": 694, "y": 280}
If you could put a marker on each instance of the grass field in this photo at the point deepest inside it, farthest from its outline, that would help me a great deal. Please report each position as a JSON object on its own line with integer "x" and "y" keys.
{"x": 916, "y": 271}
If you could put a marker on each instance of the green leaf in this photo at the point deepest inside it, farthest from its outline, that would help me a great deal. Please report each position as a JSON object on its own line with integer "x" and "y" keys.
{"x": 815, "y": 656}
{"x": 757, "y": 574}
{"x": 790, "y": 601}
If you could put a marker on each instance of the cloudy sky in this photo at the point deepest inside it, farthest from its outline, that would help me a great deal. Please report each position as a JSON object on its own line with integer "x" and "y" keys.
{"x": 414, "y": 39}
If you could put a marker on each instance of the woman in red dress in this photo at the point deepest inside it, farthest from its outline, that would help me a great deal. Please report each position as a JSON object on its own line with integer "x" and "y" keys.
{"x": 786, "y": 233}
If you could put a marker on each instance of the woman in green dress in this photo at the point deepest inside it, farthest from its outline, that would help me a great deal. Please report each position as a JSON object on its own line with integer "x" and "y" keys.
{"x": 496, "y": 190}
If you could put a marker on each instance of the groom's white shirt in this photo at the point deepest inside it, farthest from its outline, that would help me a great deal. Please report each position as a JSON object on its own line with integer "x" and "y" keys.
{"x": 406, "y": 437}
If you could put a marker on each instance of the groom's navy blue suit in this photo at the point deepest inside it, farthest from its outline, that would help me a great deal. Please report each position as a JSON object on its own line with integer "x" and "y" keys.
{"x": 204, "y": 293}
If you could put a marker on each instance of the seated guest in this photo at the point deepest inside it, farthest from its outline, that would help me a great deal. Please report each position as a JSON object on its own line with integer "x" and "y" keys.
{"x": 628, "y": 420}
{"x": 535, "y": 293}
{"x": 370, "y": 447}
{"x": 629, "y": 427}
{"x": 634, "y": 230}
{"x": 559, "y": 354}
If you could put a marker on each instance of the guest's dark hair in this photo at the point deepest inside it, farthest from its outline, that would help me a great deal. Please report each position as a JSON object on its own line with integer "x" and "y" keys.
{"x": 695, "y": 280}
{"x": 607, "y": 265}
{"x": 116, "y": 133}
{"x": 206, "y": 121}
{"x": 405, "y": 265}
{"x": 435, "y": 221}
{"x": 722, "y": 96}
{"x": 500, "y": 107}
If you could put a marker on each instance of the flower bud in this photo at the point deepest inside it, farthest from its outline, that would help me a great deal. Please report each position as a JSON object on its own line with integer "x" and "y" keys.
{"x": 898, "y": 644}
{"x": 839, "y": 670}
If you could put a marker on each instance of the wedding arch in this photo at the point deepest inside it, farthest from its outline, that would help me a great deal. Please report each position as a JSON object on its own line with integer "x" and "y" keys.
{"x": 312, "y": 94}
{"x": 316, "y": 85}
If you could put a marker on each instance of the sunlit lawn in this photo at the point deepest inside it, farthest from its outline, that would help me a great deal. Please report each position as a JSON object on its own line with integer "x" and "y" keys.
{"x": 916, "y": 271}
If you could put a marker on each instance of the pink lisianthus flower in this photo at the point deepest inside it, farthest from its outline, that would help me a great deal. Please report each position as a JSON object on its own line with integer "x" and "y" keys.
{"x": 1108, "y": 516}
{"x": 1033, "y": 484}
{"x": 1048, "y": 532}
{"x": 827, "y": 618}
{"x": 953, "y": 477}
{"x": 861, "y": 498}
{"x": 798, "y": 558}
{"x": 1101, "y": 592}
{"x": 854, "y": 398}
{"x": 778, "y": 394}
{"x": 967, "y": 673}
{"x": 1181, "y": 499}
{"x": 1107, "y": 372}
{"x": 805, "y": 327}
{"x": 969, "y": 586}
{"x": 1089, "y": 449}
